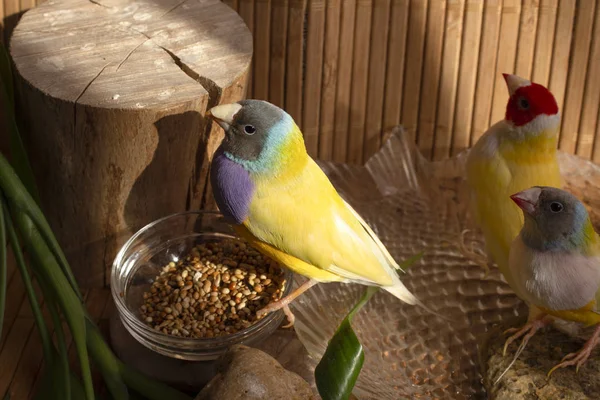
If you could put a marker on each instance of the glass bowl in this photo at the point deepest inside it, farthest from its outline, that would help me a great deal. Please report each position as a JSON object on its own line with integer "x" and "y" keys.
{"x": 140, "y": 261}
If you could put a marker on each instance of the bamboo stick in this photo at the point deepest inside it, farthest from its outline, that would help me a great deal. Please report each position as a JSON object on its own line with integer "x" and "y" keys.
{"x": 313, "y": 76}
{"x": 330, "y": 72}
{"x": 562, "y": 49}
{"x": 279, "y": 22}
{"x": 360, "y": 71}
{"x": 344, "y": 80}
{"x": 486, "y": 69}
{"x": 262, "y": 36}
{"x": 527, "y": 34}
{"x": 432, "y": 65}
{"x": 414, "y": 63}
{"x": 246, "y": 11}
{"x": 293, "y": 79}
{"x": 467, "y": 75}
{"x": 449, "y": 79}
{"x": 507, "y": 50}
{"x": 542, "y": 60}
{"x": 577, "y": 74}
{"x": 376, "y": 84}
{"x": 591, "y": 99}
{"x": 394, "y": 78}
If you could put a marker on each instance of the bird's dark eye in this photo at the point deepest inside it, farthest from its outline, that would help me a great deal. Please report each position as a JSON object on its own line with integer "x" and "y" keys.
{"x": 556, "y": 207}
{"x": 523, "y": 104}
{"x": 249, "y": 129}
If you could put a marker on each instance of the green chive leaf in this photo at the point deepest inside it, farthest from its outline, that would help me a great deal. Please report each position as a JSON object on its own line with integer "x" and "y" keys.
{"x": 340, "y": 366}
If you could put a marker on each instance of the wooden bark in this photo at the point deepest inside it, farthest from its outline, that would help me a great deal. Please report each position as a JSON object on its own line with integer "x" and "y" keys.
{"x": 113, "y": 95}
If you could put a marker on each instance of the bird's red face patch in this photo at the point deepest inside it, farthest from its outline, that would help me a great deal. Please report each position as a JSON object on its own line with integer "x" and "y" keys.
{"x": 528, "y": 102}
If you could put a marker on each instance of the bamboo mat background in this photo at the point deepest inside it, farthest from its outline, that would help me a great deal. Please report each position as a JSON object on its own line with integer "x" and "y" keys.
{"x": 350, "y": 70}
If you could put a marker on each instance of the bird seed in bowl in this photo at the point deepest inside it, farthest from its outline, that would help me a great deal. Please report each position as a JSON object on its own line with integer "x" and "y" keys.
{"x": 215, "y": 290}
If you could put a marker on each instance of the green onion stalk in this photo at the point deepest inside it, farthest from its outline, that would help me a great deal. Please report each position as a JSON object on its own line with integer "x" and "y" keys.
{"x": 25, "y": 229}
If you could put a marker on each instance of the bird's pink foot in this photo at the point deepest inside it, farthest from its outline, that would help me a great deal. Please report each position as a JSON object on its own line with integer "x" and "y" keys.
{"x": 529, "y": 329}
{"x": 579, "y": 358}
{"x": 283, "y": 303}
{"x": 290, "y": 317}
{"x": 475, "y": 255}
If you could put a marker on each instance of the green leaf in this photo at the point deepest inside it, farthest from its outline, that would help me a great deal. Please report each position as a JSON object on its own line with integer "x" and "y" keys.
{"x": 340, "y": 366}
{"x": 33, "y": 302}
{"x": 3, "y": 251}
{"x": 336, "y": 373}
{"x": 62, "y": 349}
{"x": 106, "y": 362}
{"x": 50, "y": 273}
{"x": 412, "y": 260}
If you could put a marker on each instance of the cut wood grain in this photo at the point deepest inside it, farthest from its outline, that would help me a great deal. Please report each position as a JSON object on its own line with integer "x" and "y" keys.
{"x": 329, "y": 84}
{"x": 467, "y": 75}
{"x": 360, "y": 80}
{"x": 313, "y": 75}
{"x": 486, "y": 69}
{"x": 449, "y": 79}
{"x": 114, "y": 120}
{"x": 544, "y": 41}
{"x": 432, "y": 65}
{"x": 344, "y": 81}
{"x": 578, "y": 63}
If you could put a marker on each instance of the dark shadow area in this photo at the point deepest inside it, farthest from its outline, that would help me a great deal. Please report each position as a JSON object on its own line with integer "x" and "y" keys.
{"x": 8, "y": 25}
{"x": 157, "y": 192}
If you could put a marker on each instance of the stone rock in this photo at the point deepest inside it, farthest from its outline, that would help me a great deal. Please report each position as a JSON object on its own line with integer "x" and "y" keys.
{"x": 527, "y": 378}
{"x": 247, "y": 373}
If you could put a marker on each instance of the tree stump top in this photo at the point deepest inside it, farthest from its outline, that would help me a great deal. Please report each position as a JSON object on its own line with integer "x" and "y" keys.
{"x": 131, "y": 54}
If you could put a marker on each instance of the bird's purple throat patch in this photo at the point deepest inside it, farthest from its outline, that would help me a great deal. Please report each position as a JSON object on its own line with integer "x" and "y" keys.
{"x": 232, "y": 187}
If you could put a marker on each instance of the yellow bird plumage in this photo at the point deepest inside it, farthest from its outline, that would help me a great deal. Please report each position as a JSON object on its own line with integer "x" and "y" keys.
{"x": 509, "y": 158}
{"x": 284, "y": 205}
{"x": 514, "y": 155}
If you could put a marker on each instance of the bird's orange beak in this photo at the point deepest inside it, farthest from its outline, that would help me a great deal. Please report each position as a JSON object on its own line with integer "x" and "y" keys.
{"x": 527, "y": 199}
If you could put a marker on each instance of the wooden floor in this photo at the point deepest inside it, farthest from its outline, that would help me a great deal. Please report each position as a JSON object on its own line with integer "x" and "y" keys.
{"x": 20, "y": 346}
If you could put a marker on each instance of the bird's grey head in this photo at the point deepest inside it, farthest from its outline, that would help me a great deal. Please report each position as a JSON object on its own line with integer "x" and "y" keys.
{"x": 248, "y": 125}
{"x": 554, "y": 218}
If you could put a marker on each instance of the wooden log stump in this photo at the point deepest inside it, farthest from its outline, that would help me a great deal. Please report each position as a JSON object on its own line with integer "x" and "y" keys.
{"x": 113, "y": 95}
